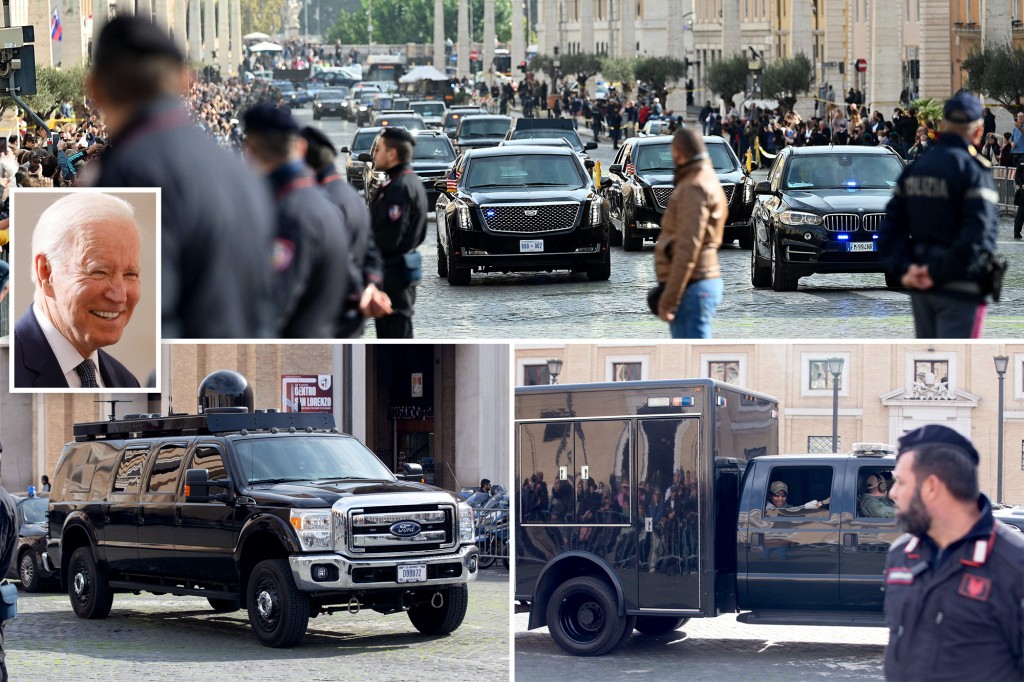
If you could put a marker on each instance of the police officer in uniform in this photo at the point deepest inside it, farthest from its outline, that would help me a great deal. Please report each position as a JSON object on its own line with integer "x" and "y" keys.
{"x": 1018, "y": 179}
{"x": 368, "y": 299}
{"x": 216, "y": 220}
{"x": 954, "y": 583}
{"x": 941, "y": 219}
{"x": 8, "y": 544}
{"x": 312, "y": 250}
{"x": 399, "y": 214}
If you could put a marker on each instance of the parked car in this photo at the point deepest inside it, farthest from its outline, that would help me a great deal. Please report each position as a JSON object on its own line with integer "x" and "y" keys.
{"x": 27, "y": 565}
{"x": 819, "y": 211}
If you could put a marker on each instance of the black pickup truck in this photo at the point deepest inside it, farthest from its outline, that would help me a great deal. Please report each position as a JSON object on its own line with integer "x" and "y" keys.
{"x": 277, "y": 513}
{"x": 644, "y": 504}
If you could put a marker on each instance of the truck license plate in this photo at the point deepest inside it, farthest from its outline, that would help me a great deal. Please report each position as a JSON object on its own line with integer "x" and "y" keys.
{"x": 412, "y": 573}
{"x": 531, "y": 245}
{"x": 860, "y": 246}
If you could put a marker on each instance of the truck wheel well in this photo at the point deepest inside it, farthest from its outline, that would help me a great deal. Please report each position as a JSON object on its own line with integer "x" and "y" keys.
{"x": 258, "y": 547}
{"x": 558, "y": 573}
{"x": 72, "y": 539}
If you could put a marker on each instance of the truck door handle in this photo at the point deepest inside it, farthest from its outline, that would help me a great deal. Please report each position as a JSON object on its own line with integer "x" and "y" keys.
{"x": 756, "y": 540}
{"x": 850, "y": 540}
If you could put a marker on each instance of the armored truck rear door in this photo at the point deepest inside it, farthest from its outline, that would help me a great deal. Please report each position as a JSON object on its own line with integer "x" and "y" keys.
{"x": 119, "y": 532}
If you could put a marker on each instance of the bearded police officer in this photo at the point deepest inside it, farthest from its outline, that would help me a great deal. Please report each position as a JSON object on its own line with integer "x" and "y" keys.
{"x": 367, "y": 300}
{"x": 954, "y": 584}
{"x": 312, "y": 256}
{"x": 399, "y": 214}
{"x": 940, "y": 225}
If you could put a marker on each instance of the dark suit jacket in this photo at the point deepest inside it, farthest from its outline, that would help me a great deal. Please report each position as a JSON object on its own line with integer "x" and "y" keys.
{"x": 35, "y": 365}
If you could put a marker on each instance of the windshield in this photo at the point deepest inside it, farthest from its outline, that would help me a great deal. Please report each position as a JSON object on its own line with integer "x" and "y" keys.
{"x": 550, "y": 134}
{"x": 366, "y": 99}
{"x": 407, "y": 122}
{"x": 842, "y": 171}
{"x": 722, "y": 157}
{"x": 488, "y": 127}
{"x": 654, "y": 158}
{"x": 308, "y": 458}
{"x": 433, "y": 149}
{"x": 549, "y": 170}
{"x": 33, "y": 510}
{"x": 363, "y": 141}
{"x": 333, "y": 96}
{"x": 384, "y": 103}
{"x": 428, "y": 108}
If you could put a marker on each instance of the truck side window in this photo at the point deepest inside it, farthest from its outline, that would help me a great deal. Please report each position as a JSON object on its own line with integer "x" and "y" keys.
{"x": 873, "y": 499}
{"x": 129, "y": 471}
{"x": 798, "y": 490}
{"x": 164, "y": 473}
{"x": 208, "y": 457}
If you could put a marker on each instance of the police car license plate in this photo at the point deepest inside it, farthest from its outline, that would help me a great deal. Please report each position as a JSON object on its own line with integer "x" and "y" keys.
{"x": 531, "y": 245}
{"x": 412, "y": 573}
{"x": 860, "y": 246}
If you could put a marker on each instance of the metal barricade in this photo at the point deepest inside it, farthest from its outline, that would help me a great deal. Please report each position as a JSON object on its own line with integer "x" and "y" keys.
{"x": 492, "y": 535}
{"x": 1005, "y": 187}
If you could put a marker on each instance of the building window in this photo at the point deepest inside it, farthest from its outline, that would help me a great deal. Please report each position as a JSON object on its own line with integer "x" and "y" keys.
{"x": 816, "y": 380}
{"x": 819, "y": 445}
{"x": 930, "y": 376}
{"x": 1022, "y": 455}
{"x": 533, "y": 372}
{"x": 727, "y": 371}
{"x": 725, "y": 367}
{"x": 821, "y": 378}
{"x": 625, "y": 368}
{"x": 1015, "y": 376}
{"x": 927, "y": 371}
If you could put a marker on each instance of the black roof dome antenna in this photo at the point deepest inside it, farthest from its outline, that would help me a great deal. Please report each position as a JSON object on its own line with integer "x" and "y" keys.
{"x": 225, "y": 389}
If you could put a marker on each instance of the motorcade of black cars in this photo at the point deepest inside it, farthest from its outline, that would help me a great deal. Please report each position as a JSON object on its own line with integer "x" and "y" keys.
{"x": 455, "y": 113}
{"x": 277, "y": 513}
{"x": 646, "y": 503}
{"x": 641, "y": 181}
{"x": 27, "y": 566}
{"x": 361, "y": 143}
{"x": 432, "y": 158}
{"x": 819, "y": 212}
{"x": 521, "y": 209}
{"x": 476, "y": 131}
{"x": 549, "y": 128}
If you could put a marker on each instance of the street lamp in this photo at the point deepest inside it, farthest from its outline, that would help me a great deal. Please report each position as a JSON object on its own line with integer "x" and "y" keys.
{"x": 835, "y": 368}
{"x": 1001, "y": 361}
{"x": 554, "y": 369}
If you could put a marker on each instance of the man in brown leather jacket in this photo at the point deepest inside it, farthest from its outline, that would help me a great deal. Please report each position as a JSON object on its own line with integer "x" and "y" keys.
{"x": 686, "y": 255}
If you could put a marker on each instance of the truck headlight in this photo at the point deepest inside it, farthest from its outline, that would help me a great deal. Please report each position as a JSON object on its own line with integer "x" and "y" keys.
{"x": 799, "y": 218}
{"x": 313, "y": 527}
{"x": 467, "y": 530}
{"x": 595, "y": 211}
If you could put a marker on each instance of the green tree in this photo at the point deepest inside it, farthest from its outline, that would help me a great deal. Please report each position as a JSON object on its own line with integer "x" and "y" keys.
{"x": 620, "y": 70}
{"x": 728, "y": 76}
{"x": 786, "y": 78}
{"x": 412, "y": 21}
{"x": 583, "y": 64}
{"x": 999, "y": 73}
{"x": 660, "y": 73}
{"x": 53, "y": 86}
{"x": 259, "y": 15}
{"x": 929, "y": 111}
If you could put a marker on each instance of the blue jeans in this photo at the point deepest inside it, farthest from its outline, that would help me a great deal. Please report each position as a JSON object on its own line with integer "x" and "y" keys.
{"x": 697, "y": 309}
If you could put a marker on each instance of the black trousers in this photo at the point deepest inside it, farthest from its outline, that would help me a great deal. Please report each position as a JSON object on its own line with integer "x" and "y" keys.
{"x": 397, "y": 325}
{"x": 1018, "y": 221}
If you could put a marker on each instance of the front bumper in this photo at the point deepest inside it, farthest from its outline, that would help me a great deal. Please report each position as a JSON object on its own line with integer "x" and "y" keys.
{"x": 490, "y": 252}
{"x": 825, "y": 253}
{"x": 378, "y": 573}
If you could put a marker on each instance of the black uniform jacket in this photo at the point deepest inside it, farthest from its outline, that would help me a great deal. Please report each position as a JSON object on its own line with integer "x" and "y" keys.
{"x": 312, "y": 255}
{"x": 365, "y": 253}
{"x": 961, "y": 617}
{"x": 399, "y": 214}
{"x": 216, "y": 223}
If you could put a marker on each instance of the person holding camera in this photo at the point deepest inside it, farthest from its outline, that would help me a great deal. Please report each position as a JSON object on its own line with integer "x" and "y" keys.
{"x": 940, "y": 228}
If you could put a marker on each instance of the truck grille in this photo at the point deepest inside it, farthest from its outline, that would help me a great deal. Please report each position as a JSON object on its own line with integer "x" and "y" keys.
{"x": 370, "y": 529}
{"x": 530, "y": 218}
{"x": 662, "y": 195}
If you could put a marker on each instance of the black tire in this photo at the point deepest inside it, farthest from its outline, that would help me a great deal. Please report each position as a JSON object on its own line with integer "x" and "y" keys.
{"x": 893, "y": 281}
{"x": 88, "y": 586}
{"x": 583, "y": 617}
{"x": 602, "y": 271}
{"x": 457, "y": 277}
{"x": 443, "y": 620}
{"x": 746, "y": 239}
{"x": 631, "y": 241}
{"x": 28, "y": 571}
{"x": 780, "y": 280}
{"x": 627, "y": 630}
{"x": 760, "y": 275}
{"x": 615, "y": 239}
{"x": 488, "y": 553}
{"x": 278, "y": 611}
{"x": 224, "y": 605}
{"x": 658, "y": 625}
{"x": 442, "y": 261}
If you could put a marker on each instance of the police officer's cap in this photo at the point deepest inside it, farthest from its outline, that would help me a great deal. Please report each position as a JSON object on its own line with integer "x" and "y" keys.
{"x": 264, "y": 117}
{"x": 963, "y": 107}
{"x": 138, "y": 37}
{"x": 317, "y": 138}
{"x": 936, "y": 433}
{"x": 398, "y": 134}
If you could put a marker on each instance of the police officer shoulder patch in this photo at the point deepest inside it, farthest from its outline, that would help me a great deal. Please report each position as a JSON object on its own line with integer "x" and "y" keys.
{"x": 395, "y": 212}
{"x": 975, "y": 587}
{"x": 978, "y": 157}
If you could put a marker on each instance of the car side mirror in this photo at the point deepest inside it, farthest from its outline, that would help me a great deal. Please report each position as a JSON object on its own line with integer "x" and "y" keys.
{"x": 590, "y": 145}
{"x": 365, "y": 158}
{"x": 589, "y": 163}
{"x": 763, "y": 188}
{"x": 452, "y": 134}
{"x": 412, "y": 471}
{"x": 344, "y": 150}
{"x": 615, "y": 169}
{"x": 198, "y": 484}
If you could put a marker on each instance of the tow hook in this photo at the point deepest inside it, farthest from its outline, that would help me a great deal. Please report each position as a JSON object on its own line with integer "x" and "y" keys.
{"x": 353, "y": 606}
{"x": 437, "y": 601}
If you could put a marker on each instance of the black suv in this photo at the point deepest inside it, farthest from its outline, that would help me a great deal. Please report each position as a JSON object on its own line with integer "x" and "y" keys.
{"x": 520, "y": 209}
{"x": 28, "y": 557}
{"x": 480, "y": 130}
{"x": 819, "y": 211}
{"x": 277, "y": 513}
{"x": 362, "y": 142}
{"x": 641, "y": 182}
{"x": 549, "y": 129}
{"x": 432, "y": 158}
{"x": 330, "y": 102}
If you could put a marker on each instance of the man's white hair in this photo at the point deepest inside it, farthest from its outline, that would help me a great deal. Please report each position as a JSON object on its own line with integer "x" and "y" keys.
{"x": 58, "y": 224}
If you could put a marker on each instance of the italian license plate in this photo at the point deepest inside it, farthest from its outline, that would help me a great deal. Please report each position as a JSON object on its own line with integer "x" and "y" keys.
{"x": 412, "y": 573}
{"x": 531, "y": 245}
{"x": 860, "y": 246}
